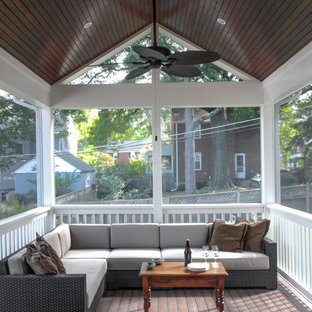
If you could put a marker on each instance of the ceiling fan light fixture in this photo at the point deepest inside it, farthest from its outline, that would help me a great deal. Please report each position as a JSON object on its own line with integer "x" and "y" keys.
{"x": 87, "y": 25}
{"x": 221, "y": 21}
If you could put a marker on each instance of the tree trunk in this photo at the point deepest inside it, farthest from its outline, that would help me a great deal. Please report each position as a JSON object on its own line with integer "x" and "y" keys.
{"x": 220, "y": 178}
{"x": 190, "y": 184}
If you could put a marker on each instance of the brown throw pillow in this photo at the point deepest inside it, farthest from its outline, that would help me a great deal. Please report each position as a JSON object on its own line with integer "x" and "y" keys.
{"x": 229, "y": 237}
{"x": 48, "y": 264}
{"x": 256, "y": 231}
{"x": 49, "y": 251}
{"x": 38, "y": 262}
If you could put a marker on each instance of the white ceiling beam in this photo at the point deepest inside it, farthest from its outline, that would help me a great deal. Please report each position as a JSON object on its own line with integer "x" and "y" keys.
{"x": 19, "y": 80}
{"x": 184, "y": 94}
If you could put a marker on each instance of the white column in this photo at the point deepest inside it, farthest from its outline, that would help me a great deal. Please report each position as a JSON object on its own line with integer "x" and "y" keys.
{"x": 268, "y": 170}
{"x": 45, "y": 158}
{"x": 157, "y": 163}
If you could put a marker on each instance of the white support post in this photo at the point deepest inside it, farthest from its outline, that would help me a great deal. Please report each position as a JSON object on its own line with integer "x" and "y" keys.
{"x": 157, "y": 163}
{"x": 268, "y": 173}
{"x": 45, "y": 152}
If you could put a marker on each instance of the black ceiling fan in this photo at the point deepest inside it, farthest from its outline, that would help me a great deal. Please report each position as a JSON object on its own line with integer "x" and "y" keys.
{"x": 181, "y": 64}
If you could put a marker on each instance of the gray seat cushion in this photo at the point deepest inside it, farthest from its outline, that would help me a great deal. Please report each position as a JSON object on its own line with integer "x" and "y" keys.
{"x": 87, "y": 254}
{"x": 95, "y": 270}
{"x": 86, "y": 236}
{"x": 175, "y": 235}
{"x": 17, "y": 263}
{"x": 177, "y": 254}
{"x": 64, "y": 236}
{"x": 53, "y": 239}
{"x": 245, "y": 260}
{"x": 131, "y": 259}
{"x": 135, "y": 235}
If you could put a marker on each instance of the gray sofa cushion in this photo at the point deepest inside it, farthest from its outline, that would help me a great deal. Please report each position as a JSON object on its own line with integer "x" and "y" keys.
{"x": 135, "y": 235}
{"x": 87, "y": 254}
{"x": 175, "y": 235}
{"x": 53, "y": 239}
{"x": 64, "y": 236}
{"x": 95, "y": 270}
{"x": 131, "y": 259}
{"x": 17, "y": 263}
{"x": 245, "y": 260}
{"x": 85, "y": 236}
{"x": 177, "y": 254}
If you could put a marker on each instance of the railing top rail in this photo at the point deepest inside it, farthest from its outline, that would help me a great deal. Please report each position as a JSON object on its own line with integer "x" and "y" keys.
{"x": 229, "y": 207}
{"x": 102, "y": 207}
{"x": 15, "y": 221}
{"x": 294, "y": 215}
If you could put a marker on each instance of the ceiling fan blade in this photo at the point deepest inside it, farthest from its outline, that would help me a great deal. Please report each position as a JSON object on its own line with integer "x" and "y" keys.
{"x": 149, "y": 52}
{"x": 138, "y": 72}
{"x": 117, "y": 64}
{"x": 182, "y": 70}
{"x": 194, "y": 57}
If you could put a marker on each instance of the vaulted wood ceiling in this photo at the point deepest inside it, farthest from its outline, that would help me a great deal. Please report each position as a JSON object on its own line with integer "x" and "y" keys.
{"x": 49, "y": 38}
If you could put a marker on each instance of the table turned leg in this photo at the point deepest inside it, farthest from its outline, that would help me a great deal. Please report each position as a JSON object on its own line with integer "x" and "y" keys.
{"x": 147, "y": 294}
{"x": 219, "y": 294}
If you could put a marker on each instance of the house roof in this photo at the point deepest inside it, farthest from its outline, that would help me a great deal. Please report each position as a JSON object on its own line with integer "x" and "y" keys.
{"x": 63, "y": 163}
{"x": 49, "y": 37}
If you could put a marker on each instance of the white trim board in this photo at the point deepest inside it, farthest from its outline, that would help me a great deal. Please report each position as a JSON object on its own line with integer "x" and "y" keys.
{"x": 184, "y": 94}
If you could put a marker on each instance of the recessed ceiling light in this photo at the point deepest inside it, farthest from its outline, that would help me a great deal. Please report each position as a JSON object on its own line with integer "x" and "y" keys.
{"x": 221, "y": 21}
{"x": 87, "y": 25}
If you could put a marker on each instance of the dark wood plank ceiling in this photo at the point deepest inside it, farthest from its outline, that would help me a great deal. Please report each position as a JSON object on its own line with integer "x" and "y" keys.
{"x": 49, "y": 38}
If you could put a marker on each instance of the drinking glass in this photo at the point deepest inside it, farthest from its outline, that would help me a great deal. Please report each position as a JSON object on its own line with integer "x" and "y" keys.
{"x": 205, "y": 251}
{"x": 215, "y": 252}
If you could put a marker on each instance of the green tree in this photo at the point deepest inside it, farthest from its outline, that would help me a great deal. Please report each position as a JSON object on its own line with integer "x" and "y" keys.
{"x": 99, "y": 160}
{"x": 17, "y": 125}
{"x": 114, "y": 126}
{"x": 295, "y": 130}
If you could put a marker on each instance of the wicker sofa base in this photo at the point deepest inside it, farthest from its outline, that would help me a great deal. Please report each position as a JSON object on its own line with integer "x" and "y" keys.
{"x": 48, "y": 293}
{"x": 236, "y": 279}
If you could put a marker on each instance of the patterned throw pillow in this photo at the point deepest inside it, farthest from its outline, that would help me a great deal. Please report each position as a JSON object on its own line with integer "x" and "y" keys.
{"x": 49, "y": 251}
{"x": 39, "y": 263}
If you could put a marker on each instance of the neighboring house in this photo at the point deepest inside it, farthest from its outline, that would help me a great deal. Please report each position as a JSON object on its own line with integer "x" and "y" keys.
{"x": 243, "y": 149}
{"x": 127, "y": 151}
{"x": 25, "y": 151}
{"x": 82, "y": 175}
{"x": 167, "y": 159}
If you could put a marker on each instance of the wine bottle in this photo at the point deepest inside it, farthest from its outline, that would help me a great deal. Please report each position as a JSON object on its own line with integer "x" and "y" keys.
{"x": 187, "y": 253}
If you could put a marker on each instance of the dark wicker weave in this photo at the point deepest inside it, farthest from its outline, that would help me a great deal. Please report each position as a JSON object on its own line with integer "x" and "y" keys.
{"x": 48, "y": 293}
{"x": 240, "y": 279}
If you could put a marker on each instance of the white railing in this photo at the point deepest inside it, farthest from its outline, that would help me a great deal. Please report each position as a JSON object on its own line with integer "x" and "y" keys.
{"x": 19, "y": 230}
{"x": 292, "y": 231}
{"x": 104, "y": 214}
{"x": 145, "y": 213}
{"x": 208, "y": 213}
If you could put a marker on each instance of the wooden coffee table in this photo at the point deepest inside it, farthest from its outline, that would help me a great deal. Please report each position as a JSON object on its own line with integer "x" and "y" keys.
{"x": 175, "y": 274}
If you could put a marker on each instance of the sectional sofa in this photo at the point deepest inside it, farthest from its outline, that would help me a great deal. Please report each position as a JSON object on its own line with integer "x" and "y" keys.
{"x": 99, "y": 257}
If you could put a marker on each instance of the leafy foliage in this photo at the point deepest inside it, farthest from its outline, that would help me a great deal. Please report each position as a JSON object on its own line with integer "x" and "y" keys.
{"x": 112, "y": 182}
{"x": 136, "y": 167}
{"x": 115, "y": 126}
{"x": 64, "y": 182}
{"x": 17, "y": 124}
{"x": 99, "y": 160}
{"x": 295, "y": 131}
